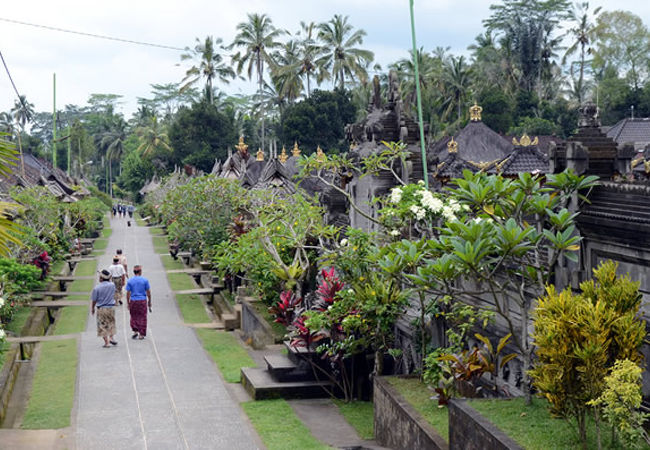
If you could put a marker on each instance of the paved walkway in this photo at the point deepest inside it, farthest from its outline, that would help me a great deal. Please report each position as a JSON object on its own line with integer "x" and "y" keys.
{"x": 160, "y": 393}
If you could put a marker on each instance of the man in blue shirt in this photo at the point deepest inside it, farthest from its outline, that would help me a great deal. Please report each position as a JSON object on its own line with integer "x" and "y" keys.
{"x": 138, "y": 300}
{"x": 103, "y": 299}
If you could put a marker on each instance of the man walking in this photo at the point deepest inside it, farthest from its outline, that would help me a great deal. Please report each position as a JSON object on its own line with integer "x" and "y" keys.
{"x": 138, "y": 299}
{"x": 118, "y": 275}
{"x": 102, "y": 298}
{"x": 123, "y": 262}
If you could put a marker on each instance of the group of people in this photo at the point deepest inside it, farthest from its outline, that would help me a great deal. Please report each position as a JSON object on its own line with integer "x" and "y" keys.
{"x": 107, "y": 295}
{"x": 121, "y": 210}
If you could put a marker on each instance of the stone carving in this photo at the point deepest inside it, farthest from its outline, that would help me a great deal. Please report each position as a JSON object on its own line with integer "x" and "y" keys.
{"x": 588, "y": 115}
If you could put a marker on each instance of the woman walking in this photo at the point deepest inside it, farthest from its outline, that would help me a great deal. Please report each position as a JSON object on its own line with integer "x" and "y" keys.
{"x": 138, "y": 299}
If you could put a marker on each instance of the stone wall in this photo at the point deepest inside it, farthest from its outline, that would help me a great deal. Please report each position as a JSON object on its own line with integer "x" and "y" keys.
{"x": 254, "y": 328}
{"x": 469, "y": 430}
{"x": 398, "y": 424}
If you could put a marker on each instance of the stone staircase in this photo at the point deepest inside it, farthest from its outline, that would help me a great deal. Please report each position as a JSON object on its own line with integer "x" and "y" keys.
{"x": 286, "y": 376}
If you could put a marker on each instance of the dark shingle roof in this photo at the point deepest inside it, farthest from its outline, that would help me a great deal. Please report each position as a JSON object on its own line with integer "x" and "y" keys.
{"x": 631, "y": 130}
{"x": 477, "y": 143}
{"x": 523, "y": 159}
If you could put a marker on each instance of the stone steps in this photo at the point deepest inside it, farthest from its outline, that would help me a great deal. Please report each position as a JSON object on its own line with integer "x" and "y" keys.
{"x": 260, "y": 385}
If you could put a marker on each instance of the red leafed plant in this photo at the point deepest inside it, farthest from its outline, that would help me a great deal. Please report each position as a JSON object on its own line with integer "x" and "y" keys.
{"x": 303, "y": 336}
{"x": 285, "y": 310}
{"x": 328, "y": 289}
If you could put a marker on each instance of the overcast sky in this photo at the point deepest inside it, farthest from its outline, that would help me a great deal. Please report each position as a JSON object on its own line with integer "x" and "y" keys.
{"x": 85, "y": 65}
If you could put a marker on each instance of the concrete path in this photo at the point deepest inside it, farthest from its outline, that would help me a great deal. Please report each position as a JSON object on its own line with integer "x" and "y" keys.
{"x": 159, "y": 393}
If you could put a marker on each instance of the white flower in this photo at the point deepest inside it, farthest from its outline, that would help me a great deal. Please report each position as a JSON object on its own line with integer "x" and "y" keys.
{"x": 454, "y": 205}
{"x": 2, "y": 333}
{"x": 465, "y": 207}
{"x": 448, "y": 213}
{"x": 350, "y": 291}
{"x": 421, "y": 182}
{"x": 418, "y": 211}
{"x": 344, "y": 242}
{"x": 431, "y": 203}
{"x": 395, "y": 195}
{"x": 394, "y": 233}
{"x": 2, "y": 302}
{"x": 477, "y": 220}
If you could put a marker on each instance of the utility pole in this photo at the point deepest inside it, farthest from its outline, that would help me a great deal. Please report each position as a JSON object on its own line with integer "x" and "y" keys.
{"x": 54, "y": 122}
{"x": 425, "y": 174}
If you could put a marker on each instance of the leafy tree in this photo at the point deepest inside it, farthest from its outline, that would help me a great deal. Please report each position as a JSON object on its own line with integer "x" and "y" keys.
{"x": 456, "y": 82}
{"x": 318, "y": 120}
{"x": 200, "y": 134}
{"x": 623, "y": 42}
{"x": 135, "y": 173}
{"x": 533, "y": 126}
{"x": 497, "y": 110}
{"x": 153, "y": 138}
{"x": 341, "y": 56}
{"x": 209, "y": 65}
{"x": 10, "y": 231}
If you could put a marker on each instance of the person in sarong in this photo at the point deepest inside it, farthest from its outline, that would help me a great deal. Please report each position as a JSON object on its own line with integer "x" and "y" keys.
{"x": 103, "y": 300}
{"x": 118, "y": 276}
{"x": 138, "y": 299}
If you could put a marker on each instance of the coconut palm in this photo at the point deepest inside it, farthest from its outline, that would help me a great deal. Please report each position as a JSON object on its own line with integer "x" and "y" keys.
{"x": 209, "y": 65}
{"x": 286, "y": 76}
{"x": 112, "y": 141}
{"x": 152, "y": 137}
{"x": 309, "y": 52}
{"x": 456, "y": 81}
{"x": 23, "y": 112}
{"x": 581, "y": 33}
{"x": 341, "y": 56}
{"x": 256, "y": 40}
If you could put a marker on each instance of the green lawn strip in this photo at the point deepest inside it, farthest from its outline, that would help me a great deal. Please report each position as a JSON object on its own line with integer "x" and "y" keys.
{"x": 180, "y": 281}
{"x": 100, "y": 244}
{"x": 170, "y": 264}
{"x": 52, "y": 395}
{"x": 4, "y": 348}
{"x": 360, "y": 415}
{"x": 224, "y": 349}
{"x": 106, "y": 232}
{"x": 279, "y": 330}
{"x": 86, "y": 268}
{"x": 160, "y": 244}
{"x": 20, "y": 318}
{"x": 278, "y": 426}
{"x": 57, "y": 267}
{"x": 156, "y": 231}
{"x": 419, "y": 396}
{"x": 533, "y": 427}
{"x": 81, "y": 286}
{"x": 72, "y": 319}
{"x": 79, "y": 297}
{"x": 106, "y": 222}
{"x": 192, "y": 308}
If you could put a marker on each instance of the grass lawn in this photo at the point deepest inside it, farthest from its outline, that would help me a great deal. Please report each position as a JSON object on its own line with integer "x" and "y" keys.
{"x": 533, "y": 427}
{"x": 224, "y": 349}
{"x": 279, "y": 330}
{"x": 192, "y": 308}
{"x": 81, "y": 286}
{"x": 18, "y": 322}
{"x": 419, "y": 396}
{"x": 52, "y": 396}
{"x": 72, "y": 319}
{"x": 279, "y": 427}
{"x": 100, "y": 244}
{"x": 160, "y": 244}
{"x": 156, "y": 231}
{"x": 86, "y": 268}
{"x": 57, "y": 267}
{"x": 170, "y": 264}
{"x": 106, "y": 233}
{"x": 360, "y": 415}
{"x": 180, "y": 281}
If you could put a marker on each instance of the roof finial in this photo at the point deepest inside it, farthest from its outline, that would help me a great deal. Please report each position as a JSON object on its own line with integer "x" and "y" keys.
{"x": 296, "y": 151}
{"x": 525, "y": 141}
{"x": 241, "y": 147}
{"x": 283, "y": 156}
{"x": 475, "y": 113}
{"x": 260, "y": 155}
{"x": 320, "y": 155}
{"x": 452, "y": 146}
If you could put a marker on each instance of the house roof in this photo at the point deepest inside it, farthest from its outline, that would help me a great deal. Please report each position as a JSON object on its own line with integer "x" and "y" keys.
{"x": 477, "y": 144}
{"x": 523, "y": 159}
{"x": 631, "y": 130}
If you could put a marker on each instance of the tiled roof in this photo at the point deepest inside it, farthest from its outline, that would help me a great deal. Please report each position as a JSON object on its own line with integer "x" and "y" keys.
{"x": 631, "y": 130}
{"x": 476, "y": 143}
{"x": 523, "y": 159}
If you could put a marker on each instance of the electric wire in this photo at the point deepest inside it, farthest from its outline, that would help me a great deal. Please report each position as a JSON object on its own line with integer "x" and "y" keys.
{"x": 20, "y": 98}
{"x": 97, "y": 36}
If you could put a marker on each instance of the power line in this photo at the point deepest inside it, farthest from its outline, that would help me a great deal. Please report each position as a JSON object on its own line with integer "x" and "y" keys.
{"x": 97, "y": 36}
{"x": 20, "y": 98}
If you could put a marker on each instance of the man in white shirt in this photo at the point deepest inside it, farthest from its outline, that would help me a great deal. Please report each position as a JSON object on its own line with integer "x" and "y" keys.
{"x": 118, "y": 276}
{"x": 123, "y": 262}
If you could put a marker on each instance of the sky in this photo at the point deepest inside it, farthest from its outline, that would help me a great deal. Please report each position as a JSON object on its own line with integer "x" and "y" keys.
{"x": 86, "y": 65}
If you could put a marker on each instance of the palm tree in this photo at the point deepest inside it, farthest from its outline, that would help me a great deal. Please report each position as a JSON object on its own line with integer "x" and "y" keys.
{"x": 286, "y": 76}
{"x": 309, "y": 53}
{"x": 210, "y": 65}
{"x": 581, "y": 33}
{"x": 112, "y": 141}
{"x": 456, "y": 79}
{"x": 256, "y": 38}
{"x": 429, "y": 73}
{"x": 152, "y": 137}
{"x": 341, "y": 57}
{"x": 23, "y": 111}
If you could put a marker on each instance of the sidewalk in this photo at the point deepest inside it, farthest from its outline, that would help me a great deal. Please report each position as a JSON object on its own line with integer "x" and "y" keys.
{"x": 162, "y": 392}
